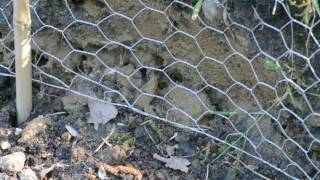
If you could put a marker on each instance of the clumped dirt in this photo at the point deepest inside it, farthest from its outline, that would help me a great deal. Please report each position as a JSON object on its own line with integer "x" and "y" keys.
{"x": 215, "y": 64}
{"x": 134, "y": 141}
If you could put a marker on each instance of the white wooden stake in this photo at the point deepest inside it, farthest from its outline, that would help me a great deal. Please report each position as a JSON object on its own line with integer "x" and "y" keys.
{"x": 22, "y": 46}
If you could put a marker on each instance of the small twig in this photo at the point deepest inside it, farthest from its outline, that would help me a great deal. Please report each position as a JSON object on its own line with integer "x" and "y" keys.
{"x": 174, "y": 136}
{"x": 56, "y": 114}
{"x": 105, "y": 140}
{"x": 154, "y": 142}
{"x": 274, "y": 7}
{"x": 207, "y": 173}
{"x": 146, "y": 122}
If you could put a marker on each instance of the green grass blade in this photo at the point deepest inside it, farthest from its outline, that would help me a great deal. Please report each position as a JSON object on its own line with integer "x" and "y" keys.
{"x": 272, "y": 65}
{"x": 316, "y": 6}
{"x": 314, "y": 94}
{"x": 242, "y": 135}
{"x": 196, "y": 10}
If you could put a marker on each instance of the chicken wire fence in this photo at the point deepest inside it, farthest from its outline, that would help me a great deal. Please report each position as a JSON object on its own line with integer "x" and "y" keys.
{"x": 244, "y": 74}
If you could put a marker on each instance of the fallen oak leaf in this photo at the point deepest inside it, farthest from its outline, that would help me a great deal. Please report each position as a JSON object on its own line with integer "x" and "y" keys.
{"x": 115, "y": 170}
{"x": 174, "y": 162}
{"x": 101, "y": 113}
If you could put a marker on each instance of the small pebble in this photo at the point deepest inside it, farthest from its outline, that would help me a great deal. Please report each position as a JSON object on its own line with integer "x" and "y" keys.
{"x": 78, "y": 154}
{"x": 13, "y": 162}
{"x": 66, "y": 136}
{"x": 4, "y": 132}
{"x": 4, "y": 145}
{"x": 17, "y": 131}
{"x": 28, "y": 174}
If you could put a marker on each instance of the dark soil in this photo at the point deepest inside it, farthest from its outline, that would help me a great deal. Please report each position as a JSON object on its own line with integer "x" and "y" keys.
{"x": 135, "y": 139}
{"x": 150, "y": 56}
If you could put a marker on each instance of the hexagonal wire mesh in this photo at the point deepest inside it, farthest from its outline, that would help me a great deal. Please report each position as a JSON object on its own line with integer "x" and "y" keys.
{"x": 243, "y": 74}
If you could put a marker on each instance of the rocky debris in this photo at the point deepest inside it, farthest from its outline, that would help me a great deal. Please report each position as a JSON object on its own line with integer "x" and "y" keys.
{"x": 5, "y": 132}
{"x": 33, "y": 128}
{"x": 4, "y": 145}
{"x": 13, "y": 162}
{"x": 78, "y": 154}
{"x": 66, "y": 136}
{"x": 17, "y": 131}
{"x": 28, "y": 174}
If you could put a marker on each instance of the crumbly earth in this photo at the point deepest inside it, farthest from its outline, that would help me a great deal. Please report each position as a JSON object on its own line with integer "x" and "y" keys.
{"x": 134, "y": 141}
{"x": 191, "y": 56}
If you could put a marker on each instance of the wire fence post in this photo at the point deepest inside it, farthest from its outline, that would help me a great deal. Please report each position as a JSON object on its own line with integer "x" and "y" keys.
{"x": 22, "y": 46}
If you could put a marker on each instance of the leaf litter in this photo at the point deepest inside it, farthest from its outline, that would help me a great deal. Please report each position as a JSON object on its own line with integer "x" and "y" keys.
{"x": 101, "y": 113}
{"x": 174, "y": 162}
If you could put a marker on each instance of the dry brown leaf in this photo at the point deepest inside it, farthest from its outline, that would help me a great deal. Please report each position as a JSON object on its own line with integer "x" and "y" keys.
{"x": 174, "y": 162}
{"x": 101, "y": 113}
